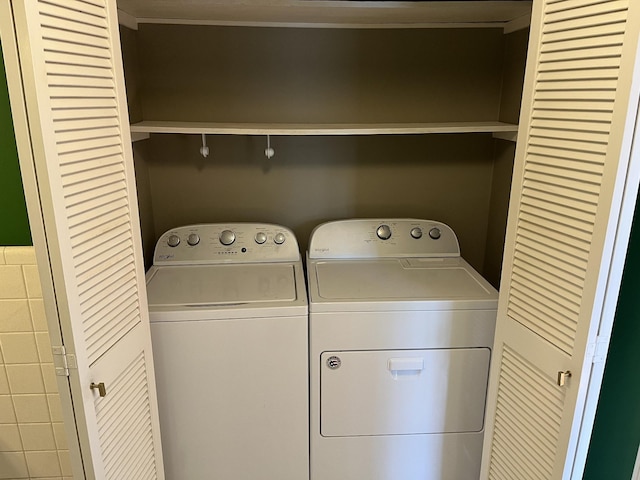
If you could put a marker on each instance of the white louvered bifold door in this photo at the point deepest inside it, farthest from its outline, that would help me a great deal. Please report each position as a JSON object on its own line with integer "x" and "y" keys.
{"x": 570, "y": 179}
{"x": 74, "y": 92}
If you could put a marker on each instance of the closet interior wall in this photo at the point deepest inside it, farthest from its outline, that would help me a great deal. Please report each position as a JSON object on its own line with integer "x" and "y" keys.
{"x": 298, "y": 75}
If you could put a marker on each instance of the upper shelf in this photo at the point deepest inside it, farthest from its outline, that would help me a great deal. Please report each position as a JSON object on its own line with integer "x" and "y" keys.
{"x": 503, "y": 130}
{"x": 510, "y": 15}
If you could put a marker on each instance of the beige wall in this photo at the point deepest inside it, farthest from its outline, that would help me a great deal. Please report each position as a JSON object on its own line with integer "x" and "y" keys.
{"x": 32, "y": 437}
{"x": 515, "y": 56}
{"x": 242, "y": 74}
{"x": 314, "y": 179}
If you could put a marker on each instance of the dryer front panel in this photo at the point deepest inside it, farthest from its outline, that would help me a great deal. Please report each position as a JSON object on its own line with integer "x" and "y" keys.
{"x": 403, "y": 392}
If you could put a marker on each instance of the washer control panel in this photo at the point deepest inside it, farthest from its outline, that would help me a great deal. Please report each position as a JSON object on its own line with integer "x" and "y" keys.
{"x": 375, "y": 238}
{"x": 226, "y": 243}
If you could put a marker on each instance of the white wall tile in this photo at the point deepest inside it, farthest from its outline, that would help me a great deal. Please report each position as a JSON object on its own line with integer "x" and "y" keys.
{"x": 38, "y": 316}
{"x": 4, "y": 382}
{"x": 60, "y": 435}
{"x": 15, "y": 316}
{"x": 31, "y": 408}
{"x": 14, "y": 466}
{"x": 43, "y": 464}
{"x": 65, "y": 462}
{"x": 7, "y": 415}
{"x": 49, "y": 378}
{"x": 44, "y": 347}
{"x": 20, "y": 256}
{"x": 12, "y": 282}
{"x": 25, "y": 378}
{"x": 19, "y": 348}
{"x": 26, "y": 373}
{"x": 32, "y": 281}
{"x": 37, "y": 436}
{"x": 9, "y": 439}
{"x": 55, "y": 407}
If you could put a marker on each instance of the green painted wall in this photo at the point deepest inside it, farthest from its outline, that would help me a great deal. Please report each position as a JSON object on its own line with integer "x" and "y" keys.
{"x": 616, "y": 434}
{"x": 14, "y": 223}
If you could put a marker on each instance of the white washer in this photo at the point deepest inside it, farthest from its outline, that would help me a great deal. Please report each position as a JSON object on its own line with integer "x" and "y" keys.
{"x": 401, "y": 330}
{"x": 228, "y": 310}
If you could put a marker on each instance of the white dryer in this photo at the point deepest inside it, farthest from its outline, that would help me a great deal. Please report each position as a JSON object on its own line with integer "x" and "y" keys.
{"x": 401, "y": 330}
{"x": 228, "y": 311}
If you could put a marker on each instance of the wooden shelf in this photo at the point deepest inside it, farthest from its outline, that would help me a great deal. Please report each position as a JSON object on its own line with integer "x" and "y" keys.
{"x": 318, "y": 13}
{"x": 500, "y": 129}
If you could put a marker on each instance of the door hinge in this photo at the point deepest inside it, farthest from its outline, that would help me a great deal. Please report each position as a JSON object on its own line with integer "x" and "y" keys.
{"x": 63, "y": 361}
{"x": 598, "y": 349}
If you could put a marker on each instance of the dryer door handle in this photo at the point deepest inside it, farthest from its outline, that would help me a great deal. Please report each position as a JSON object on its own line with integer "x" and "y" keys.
{"x": 406, "y": 364}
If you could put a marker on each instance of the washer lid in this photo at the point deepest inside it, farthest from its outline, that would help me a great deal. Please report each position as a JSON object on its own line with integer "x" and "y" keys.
{"x": 400, "y": 279}
{"x": 219, "y": 285}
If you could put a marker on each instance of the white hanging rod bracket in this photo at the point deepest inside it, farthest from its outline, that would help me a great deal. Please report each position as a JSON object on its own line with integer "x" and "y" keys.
{"x": 269, "y": 152}
{"x": 204, "y": 150}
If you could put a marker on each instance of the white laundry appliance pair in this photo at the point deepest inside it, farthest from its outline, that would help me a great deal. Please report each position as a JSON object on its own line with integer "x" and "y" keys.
{"x": 397, "y": 352}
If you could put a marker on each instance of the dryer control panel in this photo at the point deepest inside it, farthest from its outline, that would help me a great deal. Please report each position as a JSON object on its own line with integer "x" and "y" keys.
{"x": 383, "y": 237}
{"x": 216, "y": 243}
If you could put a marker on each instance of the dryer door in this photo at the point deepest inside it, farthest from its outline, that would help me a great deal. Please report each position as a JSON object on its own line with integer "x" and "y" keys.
{"x": 395, "y": 392}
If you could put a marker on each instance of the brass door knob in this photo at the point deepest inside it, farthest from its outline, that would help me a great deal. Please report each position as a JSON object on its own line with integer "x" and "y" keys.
{"x": 562, "y": 378}
{"x": 101, "y": 388}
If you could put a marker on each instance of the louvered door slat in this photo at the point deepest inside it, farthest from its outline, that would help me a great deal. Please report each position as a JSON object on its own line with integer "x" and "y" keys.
{"x": 83, "y": 160}
{"x": 92, "y": 18}
{"x": 80, "y": 177}
{"x": 78, "y": 30}
{"x": 552, "y": 169}
{"x": 60, "y": 58}
{"x": 603, "y": 18}
{"x": 112, "y": 261}
{"x": 597, "y": 31}
{"x": 71, "y": 60}
{"x": 549, "y": 131}
{"x": 97, "y": 103}
{"x": 85, "y": 241}
{"x": 79, "y": 81}
{"x": 568, "y": 288}
{"x": 582, "y": 11}
{"x": 614, "y": 39}
{"x": 579, "y": 160}
{"x": 94, "y": 8}
{"x": 87, "y": 145}
{"x": 592, "y": 73}
{"x": 588, "y": 147}
{"x": 87, "y": 123}
{"x": 574, "y": 195}
{"x": 563, "y": 122}
{"x": 573, "y": 247}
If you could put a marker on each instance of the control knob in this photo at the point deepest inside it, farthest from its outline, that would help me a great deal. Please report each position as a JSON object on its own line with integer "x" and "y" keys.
{"x": 173, "y": 241}
{"x": 416, "y": 232}
{"x": 435, "y": 233}
{"x": 383, "y": 232}
{"x": 227, "y": 237}
{"x": 279, "y": 238}
{"x": 261, "y": 237}
{"x": 193, "y": 239}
